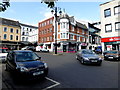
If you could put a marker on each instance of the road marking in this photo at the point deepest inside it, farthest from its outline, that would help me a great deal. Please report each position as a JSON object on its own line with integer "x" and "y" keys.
{"x": 57, "y": 83}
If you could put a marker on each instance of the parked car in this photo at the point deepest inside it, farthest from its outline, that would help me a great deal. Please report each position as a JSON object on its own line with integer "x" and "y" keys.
{"x": 28, "y": 48}
{"x": 112, "y": 55}
{"x": 87, "y": 56}
{"x": 44, "y": 50}
{"x": 105, "y": 52}
{"x": 26, "y": 64}
{"x": 3, "y": 54}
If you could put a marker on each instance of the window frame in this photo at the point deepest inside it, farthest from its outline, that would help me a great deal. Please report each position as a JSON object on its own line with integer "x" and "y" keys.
{"x": 4, "y": 36}
{"x": 5, "y": 29}
{"x": 115, "y": 26}
{"x": 105, "y": 12}
{"x": 107, "y": 30}
{"x": 118, "y": 9}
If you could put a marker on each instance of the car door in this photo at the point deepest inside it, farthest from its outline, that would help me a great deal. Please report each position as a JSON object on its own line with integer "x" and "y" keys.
{"x": 11, "y": 61}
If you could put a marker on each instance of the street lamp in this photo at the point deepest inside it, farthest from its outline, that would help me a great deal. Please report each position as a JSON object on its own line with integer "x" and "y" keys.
{"x": 55, "y": 10}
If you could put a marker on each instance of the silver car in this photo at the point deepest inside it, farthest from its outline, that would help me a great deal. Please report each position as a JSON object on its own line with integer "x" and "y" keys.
{"x": 87, "y": 56}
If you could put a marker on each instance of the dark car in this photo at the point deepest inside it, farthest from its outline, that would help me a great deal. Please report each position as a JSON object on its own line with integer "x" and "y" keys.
{"x": 87, "y": 56}
{"x": 105, "y": 52}
{"x": 112, "y": 55}
{"x": 26, "y": 63}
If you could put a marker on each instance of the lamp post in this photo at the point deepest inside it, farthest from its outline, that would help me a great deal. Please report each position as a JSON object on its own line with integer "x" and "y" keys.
{"x": 55, "y": 10}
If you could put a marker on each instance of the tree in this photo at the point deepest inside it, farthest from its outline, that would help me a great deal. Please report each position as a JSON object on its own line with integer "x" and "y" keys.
{"x": 50, "y": 3}
{"x": 4, "y": 5}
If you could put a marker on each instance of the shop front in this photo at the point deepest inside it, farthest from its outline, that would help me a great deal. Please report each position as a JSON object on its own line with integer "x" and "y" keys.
{"x": 112, "y": 43}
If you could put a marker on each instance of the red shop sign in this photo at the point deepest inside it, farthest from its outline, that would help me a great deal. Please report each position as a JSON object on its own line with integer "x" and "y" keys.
{"x": 111, "y": 39}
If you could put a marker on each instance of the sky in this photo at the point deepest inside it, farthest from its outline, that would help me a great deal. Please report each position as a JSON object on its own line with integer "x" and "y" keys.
{"x": 33, "y": 12}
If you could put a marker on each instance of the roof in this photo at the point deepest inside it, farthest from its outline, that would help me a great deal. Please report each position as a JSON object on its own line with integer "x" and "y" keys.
{"x": 9, "y": 22}
{"x": 83, "y": 26}
{"x": 29, "y": 26}
{"x": 106, "y": 2}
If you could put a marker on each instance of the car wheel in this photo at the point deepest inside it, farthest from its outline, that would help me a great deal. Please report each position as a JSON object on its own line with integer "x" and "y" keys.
{"x": 82, "y": 61}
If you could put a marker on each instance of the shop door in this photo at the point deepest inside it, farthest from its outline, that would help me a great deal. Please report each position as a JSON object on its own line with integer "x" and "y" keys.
{"x": 64, "y": 48}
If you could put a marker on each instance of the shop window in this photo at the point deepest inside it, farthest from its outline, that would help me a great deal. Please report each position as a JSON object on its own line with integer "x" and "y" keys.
{"x": 107, "y": 12}
{"x": 108, "y": 28}
{"x": 117, "y": 10}
{"x": 117, "y": 26}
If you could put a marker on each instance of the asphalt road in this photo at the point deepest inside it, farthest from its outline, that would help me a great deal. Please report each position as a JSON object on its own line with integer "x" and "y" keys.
{"x": 67, "y": 72}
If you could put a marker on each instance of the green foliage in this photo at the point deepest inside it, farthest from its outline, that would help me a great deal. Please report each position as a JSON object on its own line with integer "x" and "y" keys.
{"x": 4, "y": 6}
{"x": 50, "y": 3}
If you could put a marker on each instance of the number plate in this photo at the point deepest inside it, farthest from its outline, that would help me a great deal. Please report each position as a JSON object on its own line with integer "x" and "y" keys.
{"x": 38, "y": 73}
{"x": 93, "y": 60}
{"x": 110, "y": 57}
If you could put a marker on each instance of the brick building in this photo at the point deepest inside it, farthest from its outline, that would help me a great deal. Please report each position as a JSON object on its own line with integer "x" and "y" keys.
{"x": 71, "y": 35}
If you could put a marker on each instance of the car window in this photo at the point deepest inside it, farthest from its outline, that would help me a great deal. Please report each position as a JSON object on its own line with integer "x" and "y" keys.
{"x": 87, "y": 52}
{"x": 113, "y": 52}
{"x": 26, "y": 56}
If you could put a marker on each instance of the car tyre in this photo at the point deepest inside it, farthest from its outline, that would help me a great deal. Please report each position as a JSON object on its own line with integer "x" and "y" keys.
{"x": 82, "y": 61}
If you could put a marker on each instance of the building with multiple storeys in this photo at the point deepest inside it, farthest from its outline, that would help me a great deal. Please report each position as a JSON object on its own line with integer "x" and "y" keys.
{"x": 9, "y": 33}
{"x": 29, "y": 34}
{"x": 71, "y": 35}
{"x": 110, "y": 25}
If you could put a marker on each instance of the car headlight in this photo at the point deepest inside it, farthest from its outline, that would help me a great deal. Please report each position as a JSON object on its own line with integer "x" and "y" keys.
{"x": 23, "y": 69}
{"x": 117, "y": 56}
{"x": 45, "y": 64}
{"x": 85, "y": 58}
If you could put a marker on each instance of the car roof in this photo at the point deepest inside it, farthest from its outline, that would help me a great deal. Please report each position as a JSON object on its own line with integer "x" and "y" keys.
{"x": 20, "y": 51}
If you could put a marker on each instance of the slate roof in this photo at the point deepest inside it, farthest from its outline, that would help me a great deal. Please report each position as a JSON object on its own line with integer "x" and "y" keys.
{"x": 9, "y": 22}
{"x": 30, "y": 26}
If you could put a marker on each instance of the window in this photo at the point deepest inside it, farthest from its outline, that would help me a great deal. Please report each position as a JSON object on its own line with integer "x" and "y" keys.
{"x": 11, "y": 37}
{"x": 50, "y": 29}
{"x": 23, "y": 33}
{"x": 17, "y": 31}
{"x": 51, "y": 21}
{"x": 117, "y": 10}
{"x": 83, "y": 32}
{"x": 5, "y": 29}
{"x": 78, "y": 38}
{"x": 107, "y": 12}
{"x": 5, "y": 36}
{"x": 117, "y": 26}
{"x": 71, "y": 36}
{"x": 11, "y": 30}
{"x": 50, "y": 38}
{"x": 16, "y": 37}
{"x": 72, "y": 28}
{"x": 30, "y": 30}
{"x": 23, "y": 38}
{"x": 108, "y": 28}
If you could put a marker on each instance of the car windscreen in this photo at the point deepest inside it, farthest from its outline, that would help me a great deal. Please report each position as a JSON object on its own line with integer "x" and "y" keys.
{"x": 87, "y": 52}
{"x": 26, "y": 56}
{"x": 3, "y": 51}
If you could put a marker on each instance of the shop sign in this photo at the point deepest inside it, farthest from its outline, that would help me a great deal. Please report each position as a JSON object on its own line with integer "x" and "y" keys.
{"x": 111, "y": 39}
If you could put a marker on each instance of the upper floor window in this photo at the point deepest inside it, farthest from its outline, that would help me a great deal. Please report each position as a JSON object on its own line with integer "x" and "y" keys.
{"x": 83, "y": 32}
{"x": 11, "y": 30}
{"x": 117, "y": 9}
{"x": 16, "y": 37}
{"x": 51, "y": 21}
{"x": 108, "y": 28}
{"x": 117, "y": 26}
{"x": 30, "y": 30}
{"x": 11, "y": 37}
{"x": 5, "y": 29}
{"x": 72, "y": 28}
{"x": 71, "y": 36}
{"x": 78, "y": 38}
{"x": 107, "y": 12}
{"x": 23, "y": 38}
{"x": 5, "y": 36}
{"x": 17, "y": 31}
{"x": 50, "y": 30}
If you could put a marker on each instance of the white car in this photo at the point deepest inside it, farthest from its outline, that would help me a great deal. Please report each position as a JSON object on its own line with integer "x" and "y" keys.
{"x": 44, "y": 50}
{"x": 3, "y": 54}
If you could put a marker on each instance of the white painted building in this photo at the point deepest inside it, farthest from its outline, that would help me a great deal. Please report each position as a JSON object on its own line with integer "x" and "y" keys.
{"x": 110, "y": 25}
{"x": 29, "y": 33}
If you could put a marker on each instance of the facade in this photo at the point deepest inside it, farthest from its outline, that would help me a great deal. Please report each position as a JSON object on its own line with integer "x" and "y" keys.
{"x": 110, "y": 25}
{"x": 29, "y": 33}
{"x": 71, "y": 35}
{"x": 9, "y": 33}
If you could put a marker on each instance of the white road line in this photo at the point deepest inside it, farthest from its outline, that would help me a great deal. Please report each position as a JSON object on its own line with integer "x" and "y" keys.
{"x": 57, "y": 83}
